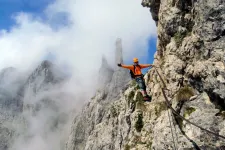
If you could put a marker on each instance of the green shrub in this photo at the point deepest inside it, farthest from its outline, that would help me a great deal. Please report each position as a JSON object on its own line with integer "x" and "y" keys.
{"x": 140, "y": 101}
{"x": 149, "y": 145}
{"x": 139, "y": 97}
{"x": 188, "y": 111}
{"x": 161, "y": 106}
{"x": 178, "y": 37}
{"x": 113, "y": 111}
{"x": 185, "y": 93}
{"x": 130, "y": 98}
{"x": 127, "y": 147}
{"x": 139, "y": 123}
{"x": 131, "y": 95}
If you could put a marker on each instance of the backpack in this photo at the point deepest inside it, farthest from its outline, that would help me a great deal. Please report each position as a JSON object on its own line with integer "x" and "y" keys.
{"x": 132, "y": 74}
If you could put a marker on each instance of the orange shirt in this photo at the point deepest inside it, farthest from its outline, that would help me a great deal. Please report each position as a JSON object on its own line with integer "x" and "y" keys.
{"x": 137, "y": 70}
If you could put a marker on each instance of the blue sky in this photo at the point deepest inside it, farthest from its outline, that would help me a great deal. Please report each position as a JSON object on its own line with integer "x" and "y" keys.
{"x": 9, "y": 8}
{"x": 151, "y": 51}
{"x": 150, "y": 55}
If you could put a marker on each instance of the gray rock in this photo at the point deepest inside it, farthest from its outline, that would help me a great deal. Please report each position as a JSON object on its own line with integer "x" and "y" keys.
{"x": 11, "y": 106}
{"x": 120, "y": 77}
{"x": 190, "y": 47}
{"x": 105, "y": 74}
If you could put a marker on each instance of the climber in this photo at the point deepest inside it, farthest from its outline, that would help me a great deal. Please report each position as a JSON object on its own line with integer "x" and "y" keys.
{"x": 138, "y": 76}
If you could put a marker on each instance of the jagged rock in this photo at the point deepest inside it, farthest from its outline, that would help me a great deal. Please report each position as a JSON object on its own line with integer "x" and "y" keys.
{"x": 43, "y": 79}
{"x": 88, "y": 124}
{"x": 120, "y": 77}
{"x": 119, "y": 81}
{"x": 105, "y": 74}
{"x": 32, "y": 97}
{"x": 190, "y": 50}
{"x": 10, "y": 105}
{"x": 11, "y": 81}
{"x": 198, "y": 48}
{"x": 119, "y": 52}
{"x": 44, "y": 74}
{"x": 154, "y": 5}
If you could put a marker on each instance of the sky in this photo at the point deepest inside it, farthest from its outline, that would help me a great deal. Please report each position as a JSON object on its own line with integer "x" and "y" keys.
{"x": 74, "y": 33}
{"x": 9, "y": 8}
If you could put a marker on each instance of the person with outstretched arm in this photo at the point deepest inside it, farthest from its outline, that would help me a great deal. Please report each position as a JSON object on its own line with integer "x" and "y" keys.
{"x": 136, "y": 74}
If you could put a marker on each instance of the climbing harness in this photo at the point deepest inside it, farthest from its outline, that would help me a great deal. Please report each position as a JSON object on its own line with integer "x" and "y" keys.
{"x": 177, "y": 114}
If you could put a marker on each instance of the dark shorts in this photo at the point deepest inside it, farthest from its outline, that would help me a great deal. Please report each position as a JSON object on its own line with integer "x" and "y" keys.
{"x": 141, "y": 83}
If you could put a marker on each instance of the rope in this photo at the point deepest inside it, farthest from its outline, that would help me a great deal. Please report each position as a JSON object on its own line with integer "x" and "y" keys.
{"x": 190, "y": 140}
{"x": 178, "y": 115}
{"x": 171, "y": 130}
{"x": 175, "y": 129}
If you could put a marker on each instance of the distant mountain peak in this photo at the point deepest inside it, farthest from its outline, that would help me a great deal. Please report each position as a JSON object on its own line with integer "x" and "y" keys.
{"x": 45, "y": 73}
{"x": 46, "y": 64}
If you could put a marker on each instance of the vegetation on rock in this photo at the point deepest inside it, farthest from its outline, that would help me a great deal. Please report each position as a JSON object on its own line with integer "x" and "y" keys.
{"x": 188, "y": 111}
{"x": 139, "y": 123}
{"x": 113, "y": 111}
{"x": 178, "y": 37}
{"x": 161, "y": 106}
{"x": 131, "y": 95}
{"x": 184, "y": 94}
{"x": 126, "y": 147}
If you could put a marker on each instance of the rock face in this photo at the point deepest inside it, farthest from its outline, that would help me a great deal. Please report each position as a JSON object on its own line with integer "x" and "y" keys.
{"x": 112, "y": 79}
{"x": 120, "y": 77}
{"x": 44, "y": 78}
{"x": 45, "y": 110}
{"x": 105, "y": 74}
{"x": 10, "y": 105}
{"x": 113, "y": 82}
{"x": 25, "y": 98}
{"x": 190, "y": 56}
{"x": 10, "y": 82}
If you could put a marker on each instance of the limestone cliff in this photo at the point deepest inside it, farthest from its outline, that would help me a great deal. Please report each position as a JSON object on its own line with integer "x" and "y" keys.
{"x": 10, "y": 105}
{"x": 113, "y": 81}
{"x": 190, "y": 58}
{"x": 27, "y": 96}
{"x": 191, "y": 47}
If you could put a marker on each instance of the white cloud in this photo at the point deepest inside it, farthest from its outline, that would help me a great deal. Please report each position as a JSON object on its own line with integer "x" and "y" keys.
{"x": 92, "y": 31}
{"x": 95, "y": 26}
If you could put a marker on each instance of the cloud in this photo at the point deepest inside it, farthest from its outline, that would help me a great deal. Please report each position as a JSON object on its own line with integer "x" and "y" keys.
{"x": 77, "y": 33}
{"x": 90, "y": 31}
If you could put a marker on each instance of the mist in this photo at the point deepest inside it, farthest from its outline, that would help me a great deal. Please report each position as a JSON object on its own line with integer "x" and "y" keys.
{"x": 73, "y": 35}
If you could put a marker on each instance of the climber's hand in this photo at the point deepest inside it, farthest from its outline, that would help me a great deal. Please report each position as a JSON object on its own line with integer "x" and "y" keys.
{"x": 119, "y": 65}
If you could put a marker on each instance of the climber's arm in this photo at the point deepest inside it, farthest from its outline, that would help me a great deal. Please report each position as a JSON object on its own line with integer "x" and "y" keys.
{"x": 146, "y": 65}
{"x": 125, "y": 66}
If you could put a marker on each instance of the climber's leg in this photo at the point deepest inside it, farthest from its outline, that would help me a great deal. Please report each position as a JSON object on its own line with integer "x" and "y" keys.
{"x": 142, "y": 86}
